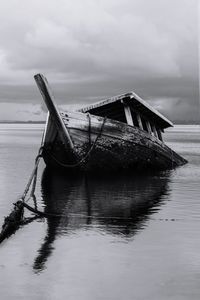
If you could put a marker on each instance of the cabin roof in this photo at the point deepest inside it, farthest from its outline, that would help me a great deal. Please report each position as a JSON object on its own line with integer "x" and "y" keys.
{"x": 135, "y": 102}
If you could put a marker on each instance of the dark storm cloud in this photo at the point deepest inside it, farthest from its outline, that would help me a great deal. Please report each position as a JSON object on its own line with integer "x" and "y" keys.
{"x": 94, "y": 49}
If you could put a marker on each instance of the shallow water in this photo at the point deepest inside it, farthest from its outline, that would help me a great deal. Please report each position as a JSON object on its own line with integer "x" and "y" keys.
{"x": 125, "y": 237}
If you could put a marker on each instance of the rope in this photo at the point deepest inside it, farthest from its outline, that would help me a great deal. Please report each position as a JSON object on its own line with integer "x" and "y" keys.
{"x": 34, "y": 183}
{"x": 33, "y": 176}
{"x": 15, "y": 218}
{"x": 13, "y": 221}
{"x": 85, "y": 157}
{"x": 40, "y": 213}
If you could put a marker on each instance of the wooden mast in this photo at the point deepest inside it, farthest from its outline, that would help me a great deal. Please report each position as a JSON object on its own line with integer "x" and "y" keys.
{"x": 53, "y": 110}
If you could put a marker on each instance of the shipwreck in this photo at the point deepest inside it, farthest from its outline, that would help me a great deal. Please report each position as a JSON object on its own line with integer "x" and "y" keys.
{"x": 116, "y": 134}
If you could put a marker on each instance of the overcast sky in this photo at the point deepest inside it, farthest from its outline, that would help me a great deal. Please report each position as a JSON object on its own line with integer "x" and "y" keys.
{"x": 93, "y": 49}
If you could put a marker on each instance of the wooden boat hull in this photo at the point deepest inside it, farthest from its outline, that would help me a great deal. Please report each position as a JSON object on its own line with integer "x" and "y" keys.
{"x": 91, "y": 143}
{"x": 112, "y": 146}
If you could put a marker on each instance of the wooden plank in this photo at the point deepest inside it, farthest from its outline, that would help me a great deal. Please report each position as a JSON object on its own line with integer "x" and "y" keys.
{"x": 141, "y": 147}
{"x": 45, "y": 129}
{"x": 154, "y": 130}
{"x": 48, "y": 98}
{"x": 104, "y": 102}
{"x": 139, "y": 121}
{"x": 129, "y": 134}
{"x": 112, "y": 128}
{"x": 50, "y": 130}
{"x": 148, "y": 127}
{"x": 75, "y": 119}
{"x": 118, "y": 137}
{"x": 128, "y": 114}
{"x": 159, "y": 134}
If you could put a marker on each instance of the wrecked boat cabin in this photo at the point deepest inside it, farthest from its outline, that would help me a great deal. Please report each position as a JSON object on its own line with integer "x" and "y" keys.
{"x": 132, "y": 110}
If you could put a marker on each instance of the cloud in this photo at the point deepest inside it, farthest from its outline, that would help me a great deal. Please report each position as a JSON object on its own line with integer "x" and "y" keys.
{"x": 175, "y": 108}
{"x": 21, "y": 112}
{"x": 86, "y": 39}
{"x": 94, "y": 49}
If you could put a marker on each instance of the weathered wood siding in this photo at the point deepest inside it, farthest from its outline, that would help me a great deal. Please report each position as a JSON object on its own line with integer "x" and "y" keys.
{"x": 120, "y": 146}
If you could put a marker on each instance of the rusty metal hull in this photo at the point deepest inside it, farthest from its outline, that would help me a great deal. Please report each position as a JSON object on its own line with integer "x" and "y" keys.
{"x": 112, "y": 146}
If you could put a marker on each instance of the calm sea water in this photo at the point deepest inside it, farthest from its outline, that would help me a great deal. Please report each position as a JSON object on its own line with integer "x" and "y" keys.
{"x": 116, "y": 238}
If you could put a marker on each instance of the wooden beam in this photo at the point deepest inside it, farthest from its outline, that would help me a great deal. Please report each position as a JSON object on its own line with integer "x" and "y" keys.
{"x": 148, "y": 127}
{"x": 128, "y": 114}
{"x": 139, "y": 121}
{"x": 159, "y": 134}
{"x": 154, "y": 130}
{"x": 45, "y": 129}
{"x": 53, "y": 110}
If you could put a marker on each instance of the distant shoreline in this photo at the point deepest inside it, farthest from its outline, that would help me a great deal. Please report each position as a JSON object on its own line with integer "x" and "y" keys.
{"x": 22, "y": 122}
{"x": 43, "y": 122}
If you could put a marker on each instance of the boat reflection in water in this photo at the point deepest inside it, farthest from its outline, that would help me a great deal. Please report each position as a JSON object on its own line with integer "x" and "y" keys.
{"x": 117, "y": 205}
